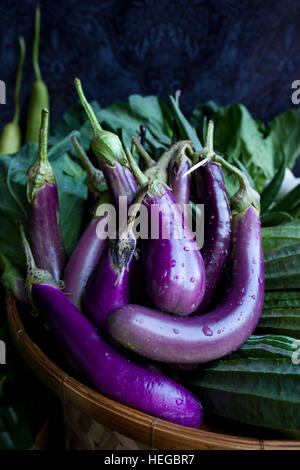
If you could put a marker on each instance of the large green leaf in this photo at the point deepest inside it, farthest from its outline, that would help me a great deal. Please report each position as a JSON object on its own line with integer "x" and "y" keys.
{"x": 259, "y": 147}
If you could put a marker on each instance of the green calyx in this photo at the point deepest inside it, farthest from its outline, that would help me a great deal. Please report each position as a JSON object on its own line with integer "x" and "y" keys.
{"x": 181, "y": 157}
{"x": 34, "y": 274}
{"x": 41, "y": 171}
{"x": 245, "y": 195}
{"x": 106, "y": 145}
{"x": 153, "y": 185}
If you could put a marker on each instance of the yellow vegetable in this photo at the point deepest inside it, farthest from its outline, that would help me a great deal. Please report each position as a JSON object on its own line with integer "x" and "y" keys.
{"x": 39, "y": 97}
{"x": 10, "y": 140}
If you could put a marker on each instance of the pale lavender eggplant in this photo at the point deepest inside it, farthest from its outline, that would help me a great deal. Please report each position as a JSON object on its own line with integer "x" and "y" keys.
{"x": 174, "y": 270}
{"x": 173, "y": 267}
{"x": 85, "y": 256}
{"x": 43, "y": 210}
{"x": 210, "y": 336}
{"x": 211, "y": 192}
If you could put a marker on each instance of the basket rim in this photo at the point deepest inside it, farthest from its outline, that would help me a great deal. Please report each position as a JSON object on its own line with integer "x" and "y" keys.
{"x": 149, "y": 430}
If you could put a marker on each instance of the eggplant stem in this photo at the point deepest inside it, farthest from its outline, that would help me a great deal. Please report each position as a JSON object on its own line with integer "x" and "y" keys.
{"x": 135, "y": 207}
{"x": 138, "y": 174}
{"x": 87, "y": 107}
{"x": 245, "y": 195}
{"x": 43, "y": 137}
{"x": 90, "y": 169}
{"x": 144, "y": 154}
{"x": 30, "y": 263}
{"x": 164, "y": 160}
{"x": 36, "y": 44}
{"x": 18, "y": 81}
{"x": 210, "y": 139}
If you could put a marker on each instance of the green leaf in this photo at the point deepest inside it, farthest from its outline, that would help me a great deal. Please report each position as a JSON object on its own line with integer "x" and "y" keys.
{"x": 186, "y": 131}
{"x": 282, "y": 268}
{"x": 290, "y": 202}
{"x": 271, "y": 190}
{"x": 272, "y": 218}
{"x": 282, "y": 299}
{"x": 284, "y": 135}
{"x": 259, "y": 147}
{"x": 280, "y": 236}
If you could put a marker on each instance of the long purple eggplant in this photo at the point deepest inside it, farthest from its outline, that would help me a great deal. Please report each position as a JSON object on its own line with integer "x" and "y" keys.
{"x": 111, "y": 157}
{"x": 224, "y": 329}
{"x": 44, "y": 227}
{"x": 95, "y": 180}
{"x": 109, "y": 371}
{"x": 210, "y": 190}
{"x": 179, "y": 183}
{"x": 172, "y": 263}
{"x": 108, "y": 286}
{"x": 85, "y": 256}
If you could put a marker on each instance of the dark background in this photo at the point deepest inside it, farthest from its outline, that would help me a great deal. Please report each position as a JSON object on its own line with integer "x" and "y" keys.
{"x": 224, "y": 50}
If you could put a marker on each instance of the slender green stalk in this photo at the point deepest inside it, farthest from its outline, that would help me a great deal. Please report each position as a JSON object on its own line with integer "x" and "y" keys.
{"x": 18, "y": 81}
{"x": 36, "y": 44}
{"x": 87, "y": 107}
{"x": 138, "y": 174}
{"x": 43, "y": 140}
{"x": 144, "y": 154}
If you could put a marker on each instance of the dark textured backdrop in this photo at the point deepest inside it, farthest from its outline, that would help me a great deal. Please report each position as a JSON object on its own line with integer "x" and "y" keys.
{"x": 229, "y": 51}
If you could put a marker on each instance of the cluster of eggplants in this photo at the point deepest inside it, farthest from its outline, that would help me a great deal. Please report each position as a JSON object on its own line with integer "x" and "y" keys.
{"x": 89, "y": 311}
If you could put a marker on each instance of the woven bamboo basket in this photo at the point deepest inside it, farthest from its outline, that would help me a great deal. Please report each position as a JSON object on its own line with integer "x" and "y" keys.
{"x": 93, "y": 421}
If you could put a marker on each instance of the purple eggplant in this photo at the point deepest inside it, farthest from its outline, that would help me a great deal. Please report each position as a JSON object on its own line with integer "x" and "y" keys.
{"x": 95, "y": 180}
{"x": 110, "y": 154}
{"x": 111, "y": 373}
{"x": 224, "y": 329}
{"x": 108, "y": 286}
{"x": 179, "y": 183}
{"x": 172, "y": 263}
{"x": 211, "y": 192}
{"x": 120, "y": 182}
{"x": 44, "y": 226}
{"x": 85, "y": 256}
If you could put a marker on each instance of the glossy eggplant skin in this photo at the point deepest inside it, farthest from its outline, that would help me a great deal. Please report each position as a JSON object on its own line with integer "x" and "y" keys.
{"x": 108, "y": 287}
{"x": 45, "y": 231}
{"x": 179, "y": 183}
{"x": 83, "y": 260}
{"x": 211, "y": 192}
{"x": 214, "y": 334}
{"x": 173, "y": 266}
{"x": 109, "y": 371}
{"x": 120, "y": 181}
